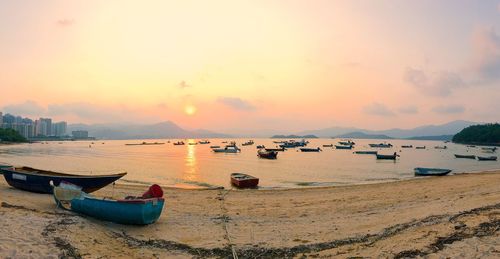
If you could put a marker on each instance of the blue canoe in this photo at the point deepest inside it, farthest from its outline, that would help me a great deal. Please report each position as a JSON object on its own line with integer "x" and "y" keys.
{"x": 421, "y": 171}
{"x": 36, "y": 180}
{"x": 135, "y": 211}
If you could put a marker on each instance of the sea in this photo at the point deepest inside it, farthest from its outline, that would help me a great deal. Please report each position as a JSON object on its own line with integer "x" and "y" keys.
{"x": 197, "y": 166}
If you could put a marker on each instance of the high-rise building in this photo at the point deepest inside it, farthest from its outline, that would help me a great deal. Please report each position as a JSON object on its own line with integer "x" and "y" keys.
{"x": 59, "y": 129}
{"x": 80, "y": 134}
{"x": 43, "y": 127}
{"x": 1, "y": 119}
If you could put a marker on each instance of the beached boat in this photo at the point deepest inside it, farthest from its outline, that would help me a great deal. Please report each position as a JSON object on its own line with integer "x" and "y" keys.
{"x": 487, "y": 158}
{"x": 440, "y": 147}
{"x": 387, "y": 157}
{"x": 227, "y": 149}
{"x": 5, "y": 166}
{"x": 305, "y": 149}
{"x": 342, "y": 147}
{"x": 244, "y": 180}
{"x": 262, "y": 153}
{"x": 407, "y": 146}
{"x": 422, "y": 147}
{"x": 142, "y": 210}
{"x": 275, "y": 149}
{"x": 179, "y": 143}
{"x": 36, "y": 180}
{"x": 381, "y": 145}
{"x": 366, "y": 152}
{"x": 465, "y": 156}
{"x": 328, "y": 145}
{"x": 421, "y": 171}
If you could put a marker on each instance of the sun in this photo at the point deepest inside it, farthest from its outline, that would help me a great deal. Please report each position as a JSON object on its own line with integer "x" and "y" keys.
{"x": 190, "y": 110}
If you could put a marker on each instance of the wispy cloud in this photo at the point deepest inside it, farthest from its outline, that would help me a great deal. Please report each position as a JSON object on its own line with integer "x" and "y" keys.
{"x": 236, "y": 103}
{"x": 435, "y": 83}
{"x": 28, "y": 108}
{"x": 449, "y": 109}
{"x": 486, "y": 55}
{"x": 409, "y": 109}
{"x": 378, "y": 109}
{"x": 65, "y": 22}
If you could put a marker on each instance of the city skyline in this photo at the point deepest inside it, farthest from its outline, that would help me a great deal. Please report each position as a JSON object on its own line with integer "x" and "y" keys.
{"x": 29, "y": 128}
{"x": 258, "y": 65}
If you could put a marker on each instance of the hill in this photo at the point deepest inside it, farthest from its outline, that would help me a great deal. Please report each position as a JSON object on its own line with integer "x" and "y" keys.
{"x": 440, "y": 138}
{"x": 479, "y": 134}
{"x": 10, "y": 135}
{"x": 361, "y": 135}
{"x": 293, "y": 136}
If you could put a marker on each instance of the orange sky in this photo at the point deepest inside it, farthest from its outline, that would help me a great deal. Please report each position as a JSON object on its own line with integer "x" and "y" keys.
{"x": 285, "y": 65}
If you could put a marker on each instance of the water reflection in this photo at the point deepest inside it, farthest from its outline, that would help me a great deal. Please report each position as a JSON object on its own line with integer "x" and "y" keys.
{"x": 190, "y": 170}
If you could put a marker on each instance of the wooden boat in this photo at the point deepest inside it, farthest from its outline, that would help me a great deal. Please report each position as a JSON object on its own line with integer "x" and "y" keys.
{"x": 328, "y": 145}
{"x": 465, "y": 156}
{"x": 421, "y": 171}
{"x": 275, "y": 149}
{"x": 422, "y": 147}
{"x": 487, "y": 158}
{"x": 36, "y": 180}
{"x": 244, "y": 180}
{"x": 381, "y": 145}
{"x": 214, "y": 146}
{"x": 142, "y": 210}
{"x": 440, "y": 147}
{"x": 305, "y": 149}
{"x": 262, "y": 153}
{"x": 342, "y": 147}
{"x": 387, "y": 157}
{"x": 366, "y": 152}
{"x": 227, "y": 149}
{"x": 407, "y": 146}
{"x": 179, "y": 143}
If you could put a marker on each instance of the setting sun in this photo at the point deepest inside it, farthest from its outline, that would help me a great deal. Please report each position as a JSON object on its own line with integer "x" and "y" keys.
{"x": 190, "y": 110}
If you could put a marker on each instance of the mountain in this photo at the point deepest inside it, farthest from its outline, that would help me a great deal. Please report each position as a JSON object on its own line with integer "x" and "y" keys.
{"x": 450, "y": 128}
{"x": 165, "y": 129}
{"x": 440, "y": 138}
{"x": 293, "y": 136}
{"x": 361, "y": 135}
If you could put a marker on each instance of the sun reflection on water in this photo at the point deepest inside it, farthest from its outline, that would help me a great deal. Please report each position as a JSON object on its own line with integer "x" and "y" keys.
{"x": 191, "y": 170}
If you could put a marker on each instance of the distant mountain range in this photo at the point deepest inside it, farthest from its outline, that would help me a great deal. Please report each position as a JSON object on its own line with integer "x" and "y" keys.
{"x": 166, "y": 129}
{"x": 361, "y": 135}
{"x": 293, "y": 136}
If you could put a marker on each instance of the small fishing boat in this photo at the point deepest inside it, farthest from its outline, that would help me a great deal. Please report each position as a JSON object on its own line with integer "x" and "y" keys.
{"x": 144, "y": 144}
{"x": 421, "y": 171}
{"x": 214, "y": 146}
{"x": 347, "y": 143}
{"x": 366, "y": 152}
{"x": 328, "y": 145}
{"x": 465, "y": 156}
{"x": 203, "y": 142}
{"x": 381, "y": 145}
{"x": 387, "y": 157}
{"x": 422, "y": 147}
{"x": 262, "y": 153}
{"x": 342, "y": 147}
{"x": 275, "y": 149}
{"x": 5, "y": 166}
{"x": 37, "y": 180}
{"x": 142, "y": 210}
{"x": 227, "y": 149}
{"x": 493, "y": 149}
{"x": 407, "y": 146}
{"x": 260, "y": 146}
{"x": 487, "y": 158}
{"x": 192, "y": 143}
{"x": 440, "y": 147}
{"x": 244, "y": 180}
{"x": 179, "y": 143}
{"x": 305, "y": 149}
{"x": 248, "y": 143}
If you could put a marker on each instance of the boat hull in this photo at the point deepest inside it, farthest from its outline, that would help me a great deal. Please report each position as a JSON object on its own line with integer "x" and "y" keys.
{"x": 343, "y": 147}
{"x": 465, "y": 156}
{"x": 250, "y": 182}
{"x": 491, "y": 158}
{"x": 310, "y": 150}
{"x": 386, "y": 157}
{"x": 419, "y": 171}
{"x": 366, "y": 152}
{"x": 40, "y": 183}
{"x": 268, "y": 154}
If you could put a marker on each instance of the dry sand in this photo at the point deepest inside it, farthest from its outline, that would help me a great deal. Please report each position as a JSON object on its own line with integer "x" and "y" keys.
{"x": 436, "y": 217}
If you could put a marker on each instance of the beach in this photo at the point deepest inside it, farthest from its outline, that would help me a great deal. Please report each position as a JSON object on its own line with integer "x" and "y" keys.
{"x": 438, "y": 217}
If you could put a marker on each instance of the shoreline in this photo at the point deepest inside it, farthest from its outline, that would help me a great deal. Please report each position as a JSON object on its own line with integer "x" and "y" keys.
{"x": 450, "y": 216}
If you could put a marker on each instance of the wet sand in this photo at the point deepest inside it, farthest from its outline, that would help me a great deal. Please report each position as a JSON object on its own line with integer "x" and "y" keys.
{"x": 452, "y": 216}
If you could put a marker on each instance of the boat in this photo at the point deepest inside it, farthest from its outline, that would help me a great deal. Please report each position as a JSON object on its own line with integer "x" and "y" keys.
{"x": 260, "y": 146}
{"x": 440, "y": 147}
{"x": 244, "y": 180}
{"x": 262, "y": 153}
{"x": 422, "y": 147}
{"x": 142, "y": 210}
{"x": 178, "y": 143}
{"x": 192, "y": 143}
{"x": 275, "y": 149}
{"x": 421, "y": 171}
{"x": 203, "y": 142}
{"x": 342, "y": 147}
{"x": 248, "y": 143}
{"x": 471, "y": 146}
{"x": 328, "y": 145}
{"x": 387, "y": 157}
{"x": 493, "y": 149}
{"x": 144, "y": 143}
{"x": 6, "y": 166}
{"x": 37, "y": 180}
{"x": 381, "y": 145}
{"x": 214, "y": 146}
{"x": 305, "y": 149}
{"x": 294, "y": 144}
{"x": 407, "y": 146}
{"x": 227, "y": 149}
{"x": 465, "y": 156}
{"x": 347, "y": 143}
{"x": 487, "y": 158}
{"x": 366, "y": 152}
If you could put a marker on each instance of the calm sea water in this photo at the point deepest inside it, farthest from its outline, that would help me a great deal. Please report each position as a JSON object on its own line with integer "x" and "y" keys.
{"x": 193, "y": 166}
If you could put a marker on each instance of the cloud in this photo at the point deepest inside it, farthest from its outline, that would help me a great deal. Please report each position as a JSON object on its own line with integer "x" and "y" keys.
{"x": 409, "y": 109}
{"x": 449, "y": 109}
{"x": 236, "y": 103}
{"x": 88, "y": 111}
{"x": 65, "y": 22}
{"x": 486, "y": 54}
{"x": 434, "y": 84}
{"x": 378, "y": 109}
{"x": 28, "y": 108}
{"x": 183, "y": 85}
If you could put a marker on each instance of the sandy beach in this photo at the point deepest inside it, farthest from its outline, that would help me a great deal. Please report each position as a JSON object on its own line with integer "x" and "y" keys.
{"x": 438, "y": 217}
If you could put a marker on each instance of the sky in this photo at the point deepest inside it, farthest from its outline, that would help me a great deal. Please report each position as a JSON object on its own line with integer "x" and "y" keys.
{"x": 239, "y": 66}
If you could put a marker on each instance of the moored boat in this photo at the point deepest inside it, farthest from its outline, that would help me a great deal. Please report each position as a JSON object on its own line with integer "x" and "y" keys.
{"x": 204, "y": 142}
{"x": 131, "y": 210}
{"x": 179, "y": 143}
{"x": 37, "y": 180}
{"x": 145, "y": 144}
{"x": 489, "y": 148}
{"x": 381, "y": 145}
{"x": 227, "y": 149}
{"x": 421, "y": 171}
{"x": 487, "y": 158}
{"x": 387, "y": 157}
{"x": 262, "y": 153}
{"x": 305, "y": 149}
{"x": 347, "y": 143}
{"x": 366, "y": 152}
{"x": 328, "y": 145}
{"x": 248, "y": 143}
{"x": 407, "y": 146}
{"x": 342, "y": 147}
{"x": 465, "y": 156}
{"x": 440, "y": 147}
{"x": 260, "y": 146}
{"x": 275, "y": 149}
{"x": 244, "y": 180}
{"x": 214, "y": 146}
{"x": 421, "y": 147}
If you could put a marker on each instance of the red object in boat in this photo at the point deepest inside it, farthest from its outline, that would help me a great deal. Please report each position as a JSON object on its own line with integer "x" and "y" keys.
{"x": 244, "y": 180}
{"x": 154, "y": 191}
